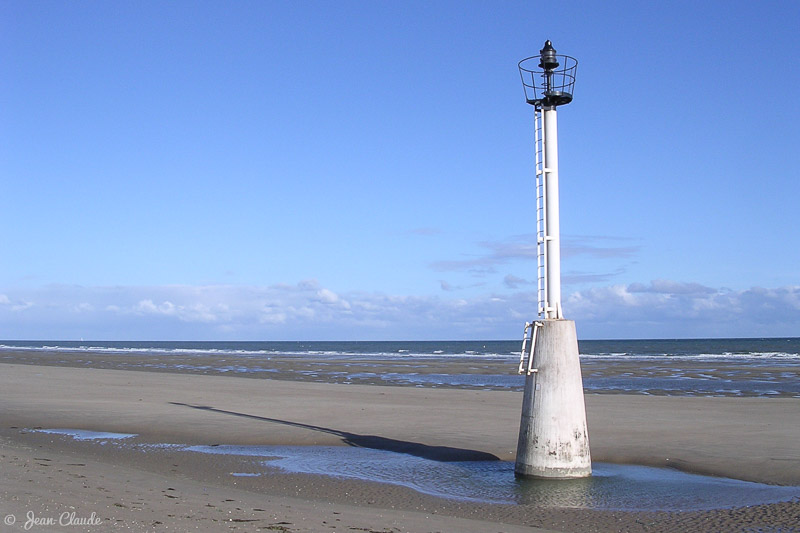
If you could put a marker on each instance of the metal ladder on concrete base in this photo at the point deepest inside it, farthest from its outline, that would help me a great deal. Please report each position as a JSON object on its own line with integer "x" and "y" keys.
{"x": 529, "y": 336}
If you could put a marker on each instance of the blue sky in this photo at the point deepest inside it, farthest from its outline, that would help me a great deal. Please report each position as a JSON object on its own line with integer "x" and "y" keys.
{"x": 364, "y": 170}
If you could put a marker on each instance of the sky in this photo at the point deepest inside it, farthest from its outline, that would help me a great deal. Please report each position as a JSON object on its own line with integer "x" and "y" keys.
{"x": 353, "y": 170}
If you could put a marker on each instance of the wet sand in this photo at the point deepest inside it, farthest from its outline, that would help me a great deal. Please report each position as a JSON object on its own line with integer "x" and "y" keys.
{"x": 745, "y": 438}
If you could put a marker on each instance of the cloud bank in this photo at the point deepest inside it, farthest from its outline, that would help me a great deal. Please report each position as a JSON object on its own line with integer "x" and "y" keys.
{"x": 309, "y": 311}
{"x": 665, "y": 308}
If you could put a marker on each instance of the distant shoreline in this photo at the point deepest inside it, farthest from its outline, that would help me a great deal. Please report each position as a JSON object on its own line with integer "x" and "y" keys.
{"x": 685, "y": 371}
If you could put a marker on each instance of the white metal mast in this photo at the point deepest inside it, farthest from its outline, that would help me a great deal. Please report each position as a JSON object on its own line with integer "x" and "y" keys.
{"x": 547, "y": 214}
{"x": 552, "y": 234}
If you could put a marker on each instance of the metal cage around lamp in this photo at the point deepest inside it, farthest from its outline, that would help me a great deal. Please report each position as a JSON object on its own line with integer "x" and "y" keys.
{"x": 548, "y": 80}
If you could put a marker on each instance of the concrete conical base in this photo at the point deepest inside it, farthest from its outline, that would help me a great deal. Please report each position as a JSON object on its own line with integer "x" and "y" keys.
{"x": 553, "y": 440}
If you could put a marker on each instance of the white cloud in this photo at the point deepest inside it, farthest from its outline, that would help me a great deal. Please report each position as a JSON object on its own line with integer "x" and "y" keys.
{"x": 665, "y": 308}
{"x": 329, "y": 297}
{"x": 146, "y": 306}
{"x": 18, "y": 305}
{"x": 307, "y": 310}
{"x": 190, "y": 312}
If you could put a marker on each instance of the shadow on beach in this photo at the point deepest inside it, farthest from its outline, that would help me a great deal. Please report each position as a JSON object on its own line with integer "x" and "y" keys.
{"x": 375, "y": 442}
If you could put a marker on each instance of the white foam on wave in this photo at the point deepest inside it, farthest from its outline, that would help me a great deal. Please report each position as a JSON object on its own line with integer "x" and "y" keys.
{"x": 141, "y": 350}
{"x": 266, "y": 353}
{"x": 724, "y": 356}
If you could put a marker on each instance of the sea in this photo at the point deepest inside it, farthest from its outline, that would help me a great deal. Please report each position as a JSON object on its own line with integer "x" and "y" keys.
{"x": 754, "y": 367}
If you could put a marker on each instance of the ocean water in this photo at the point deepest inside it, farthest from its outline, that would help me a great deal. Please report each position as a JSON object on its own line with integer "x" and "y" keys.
{"x": 696, "y": 367}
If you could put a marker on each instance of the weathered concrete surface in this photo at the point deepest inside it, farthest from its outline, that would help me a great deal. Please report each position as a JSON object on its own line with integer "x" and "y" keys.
{"x": 553, "y": 437}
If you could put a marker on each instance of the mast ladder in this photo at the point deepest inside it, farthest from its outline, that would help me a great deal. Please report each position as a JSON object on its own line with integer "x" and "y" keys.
{"x": 541, "y": 229}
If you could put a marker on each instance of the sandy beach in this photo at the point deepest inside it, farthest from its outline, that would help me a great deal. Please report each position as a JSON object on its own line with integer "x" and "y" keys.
{"x": 752, "y": 439}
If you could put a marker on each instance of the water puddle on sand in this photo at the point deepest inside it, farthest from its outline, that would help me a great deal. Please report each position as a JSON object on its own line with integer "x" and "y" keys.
{"x": 82, "y": 434}
{"x": 611, "y": 486}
